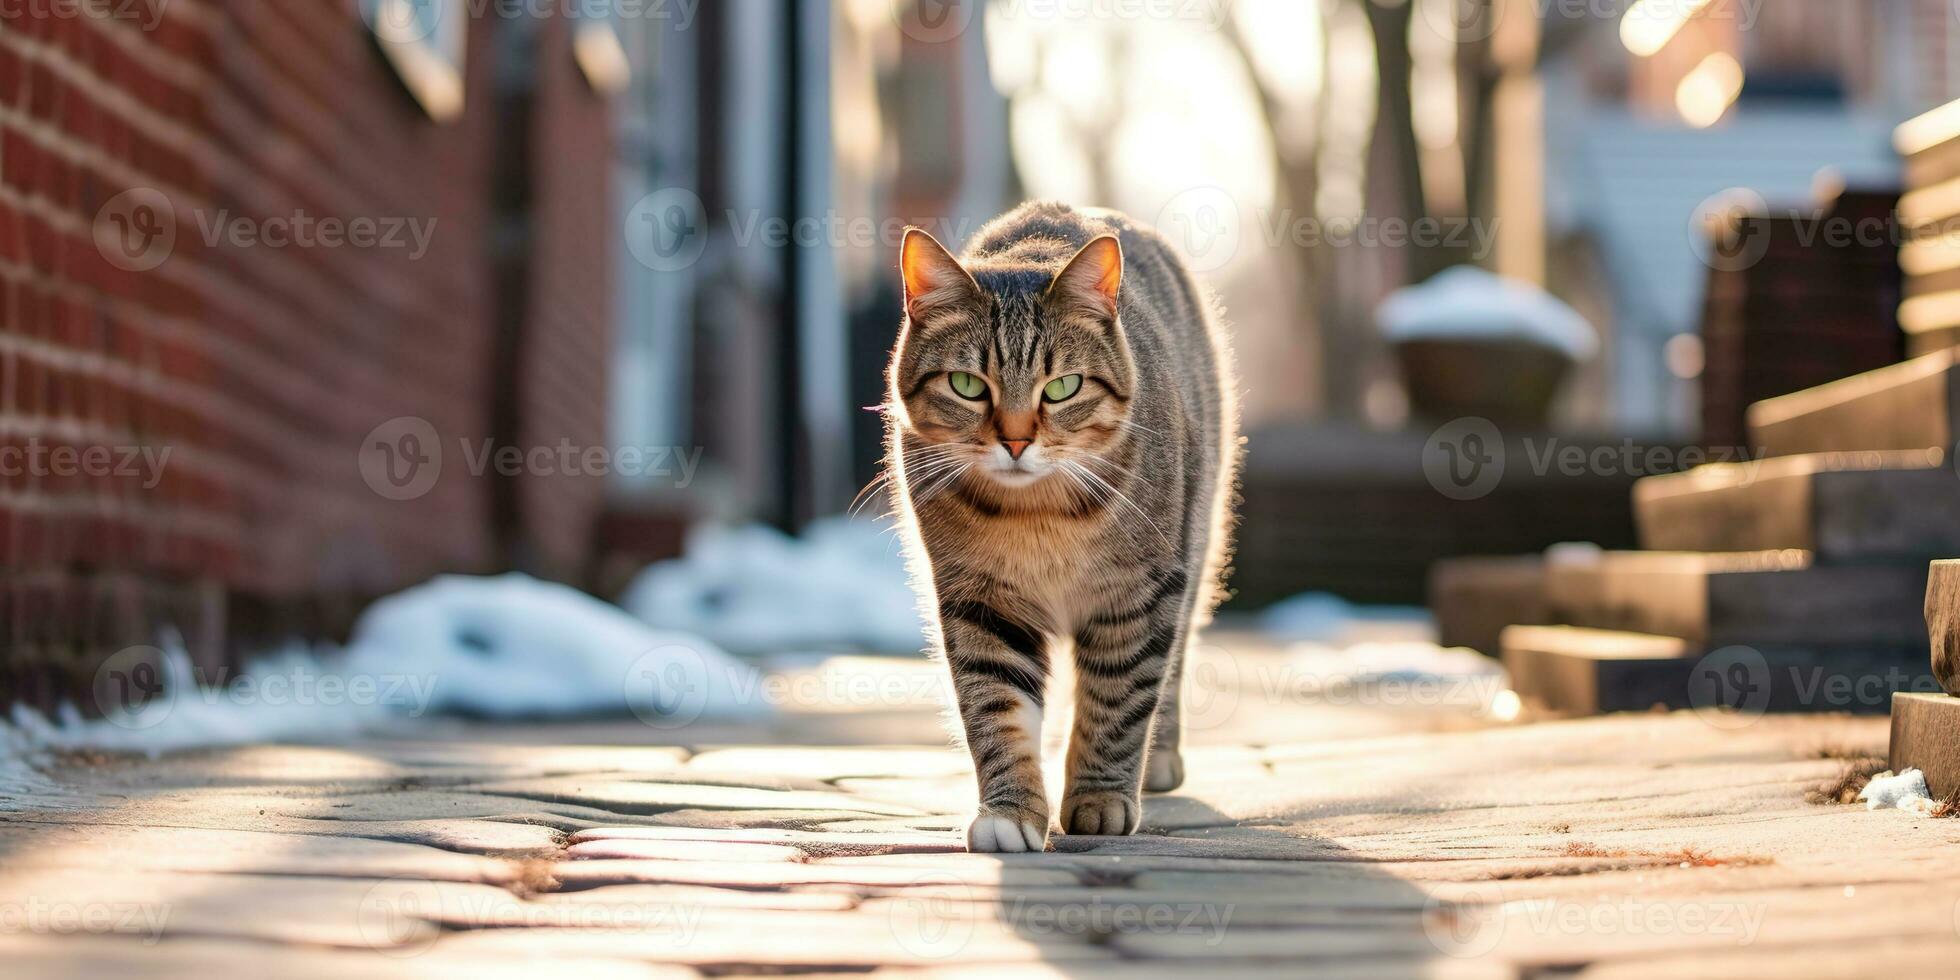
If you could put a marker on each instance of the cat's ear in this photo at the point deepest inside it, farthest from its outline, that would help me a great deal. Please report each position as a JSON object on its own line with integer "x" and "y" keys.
{"x": 934, "y": 280}
{"x": 1090, "y": 281}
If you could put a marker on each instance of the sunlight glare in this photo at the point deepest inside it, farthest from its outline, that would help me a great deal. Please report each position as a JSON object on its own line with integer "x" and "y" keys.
{"x": 1648, "y": 27}
{"x": 1707, "y": 92}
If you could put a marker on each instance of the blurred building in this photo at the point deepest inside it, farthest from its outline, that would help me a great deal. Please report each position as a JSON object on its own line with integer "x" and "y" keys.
{"x": 253, "y": 262}
{"x": 1649, "y": 119}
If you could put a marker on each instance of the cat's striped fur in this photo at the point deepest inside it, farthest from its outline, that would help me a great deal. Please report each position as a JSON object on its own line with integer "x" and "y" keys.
{"x": 1097, "y": 523}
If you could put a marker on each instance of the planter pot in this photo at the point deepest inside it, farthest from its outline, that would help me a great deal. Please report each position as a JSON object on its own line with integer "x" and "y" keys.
{"x": 1509, "y": 382}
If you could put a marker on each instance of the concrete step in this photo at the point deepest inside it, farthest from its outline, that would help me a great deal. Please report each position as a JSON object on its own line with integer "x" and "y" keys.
{"x": 1572, "y": 671}
{"x": 1843, "y": 507}
{"x": 1908, "y": 406}
{"x": 1758, "y": 598}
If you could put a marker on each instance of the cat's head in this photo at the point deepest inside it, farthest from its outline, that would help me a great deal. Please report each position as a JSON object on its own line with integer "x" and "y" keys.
{"x": 1019, "y": 370}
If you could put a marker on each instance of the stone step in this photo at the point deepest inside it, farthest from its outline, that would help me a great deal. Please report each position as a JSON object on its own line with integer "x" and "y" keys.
{"x": 1843, "y": 507}
{"x": 1907, "y": 406}
{"x": 1758, "y": 598}
{"x": 1572, "y": 671}
{"x": 1474, "y": 599}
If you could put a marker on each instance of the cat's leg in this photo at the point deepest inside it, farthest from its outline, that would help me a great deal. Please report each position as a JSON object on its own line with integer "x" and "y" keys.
{"x": 999, "y": 669}
{"x": 1164, "y": 766}
{"x": 1123, "y": 659}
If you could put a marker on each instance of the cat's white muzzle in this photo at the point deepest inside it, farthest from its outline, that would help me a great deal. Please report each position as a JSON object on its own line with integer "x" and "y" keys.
{"x": 1004, "y": 469}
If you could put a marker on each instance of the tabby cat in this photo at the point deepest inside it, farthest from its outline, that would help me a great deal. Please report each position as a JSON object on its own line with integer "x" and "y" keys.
{"x": 1063, "y": 437}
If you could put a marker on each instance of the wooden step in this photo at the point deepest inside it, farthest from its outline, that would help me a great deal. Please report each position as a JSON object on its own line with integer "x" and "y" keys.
{"x": 1943, "y": 622}
{"x": 1760, "y": 599}
{"x": 1926, "y": 736}
{"x": 1569, "y": 671}
{"x": 1908, "y": 406}
{"x": 1566, "y": 670}
{"x": 1843, "y": 507}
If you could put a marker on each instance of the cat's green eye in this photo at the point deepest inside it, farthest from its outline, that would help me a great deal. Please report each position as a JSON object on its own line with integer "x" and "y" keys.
{"x": 1062, "y": 389}
{"x": 967, "y": 386}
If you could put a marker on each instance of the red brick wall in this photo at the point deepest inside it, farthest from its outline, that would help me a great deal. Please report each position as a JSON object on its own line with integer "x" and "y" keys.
{"x": 261, "y": 369}
{"x": 564, "y": 358}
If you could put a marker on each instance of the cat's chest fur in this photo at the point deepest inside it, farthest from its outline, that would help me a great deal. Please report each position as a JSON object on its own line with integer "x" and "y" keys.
{"x": 1053, "y": 561}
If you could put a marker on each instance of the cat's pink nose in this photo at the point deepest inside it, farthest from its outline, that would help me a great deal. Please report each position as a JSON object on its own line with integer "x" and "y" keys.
{"x": 1015, "y": 447}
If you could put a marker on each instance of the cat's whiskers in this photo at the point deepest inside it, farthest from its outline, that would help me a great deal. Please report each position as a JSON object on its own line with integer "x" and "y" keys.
{"x": 1119, "y": 496}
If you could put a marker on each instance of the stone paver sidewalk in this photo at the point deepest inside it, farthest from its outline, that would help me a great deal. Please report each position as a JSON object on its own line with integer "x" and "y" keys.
{"x": 1316, "y": 832}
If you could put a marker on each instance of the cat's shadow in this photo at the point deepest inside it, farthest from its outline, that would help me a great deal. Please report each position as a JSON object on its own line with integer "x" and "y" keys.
{"x": 1196, "y": 881}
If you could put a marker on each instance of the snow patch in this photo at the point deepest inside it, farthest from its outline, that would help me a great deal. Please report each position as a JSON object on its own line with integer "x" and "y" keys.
{"x": 1320, "y": 617}
{"x": 1466, "y": 302}
{"x": 843, "y": 586}
{"x": 1408, "y": 673}
{"x": 504, "y": 647}
{"x": 1902, "y": 791}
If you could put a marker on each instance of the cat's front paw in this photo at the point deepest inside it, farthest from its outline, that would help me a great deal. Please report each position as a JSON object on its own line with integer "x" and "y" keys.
{"x": 1008, "y": 831}
{"x": 1103, "y": 811}
{"x": 1165, "y": 771}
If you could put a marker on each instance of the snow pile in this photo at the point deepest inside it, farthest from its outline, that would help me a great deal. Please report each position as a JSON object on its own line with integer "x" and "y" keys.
{"x": 1466, "y": 302}
{"x": 248, "y": 709}
{"x": 503, "y": 647}
{"x": 1903, "y": 791}
{"x": 842, "y": 586}
{"x": 1320, "y": 617}
{"x": 1408, "y": 673}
